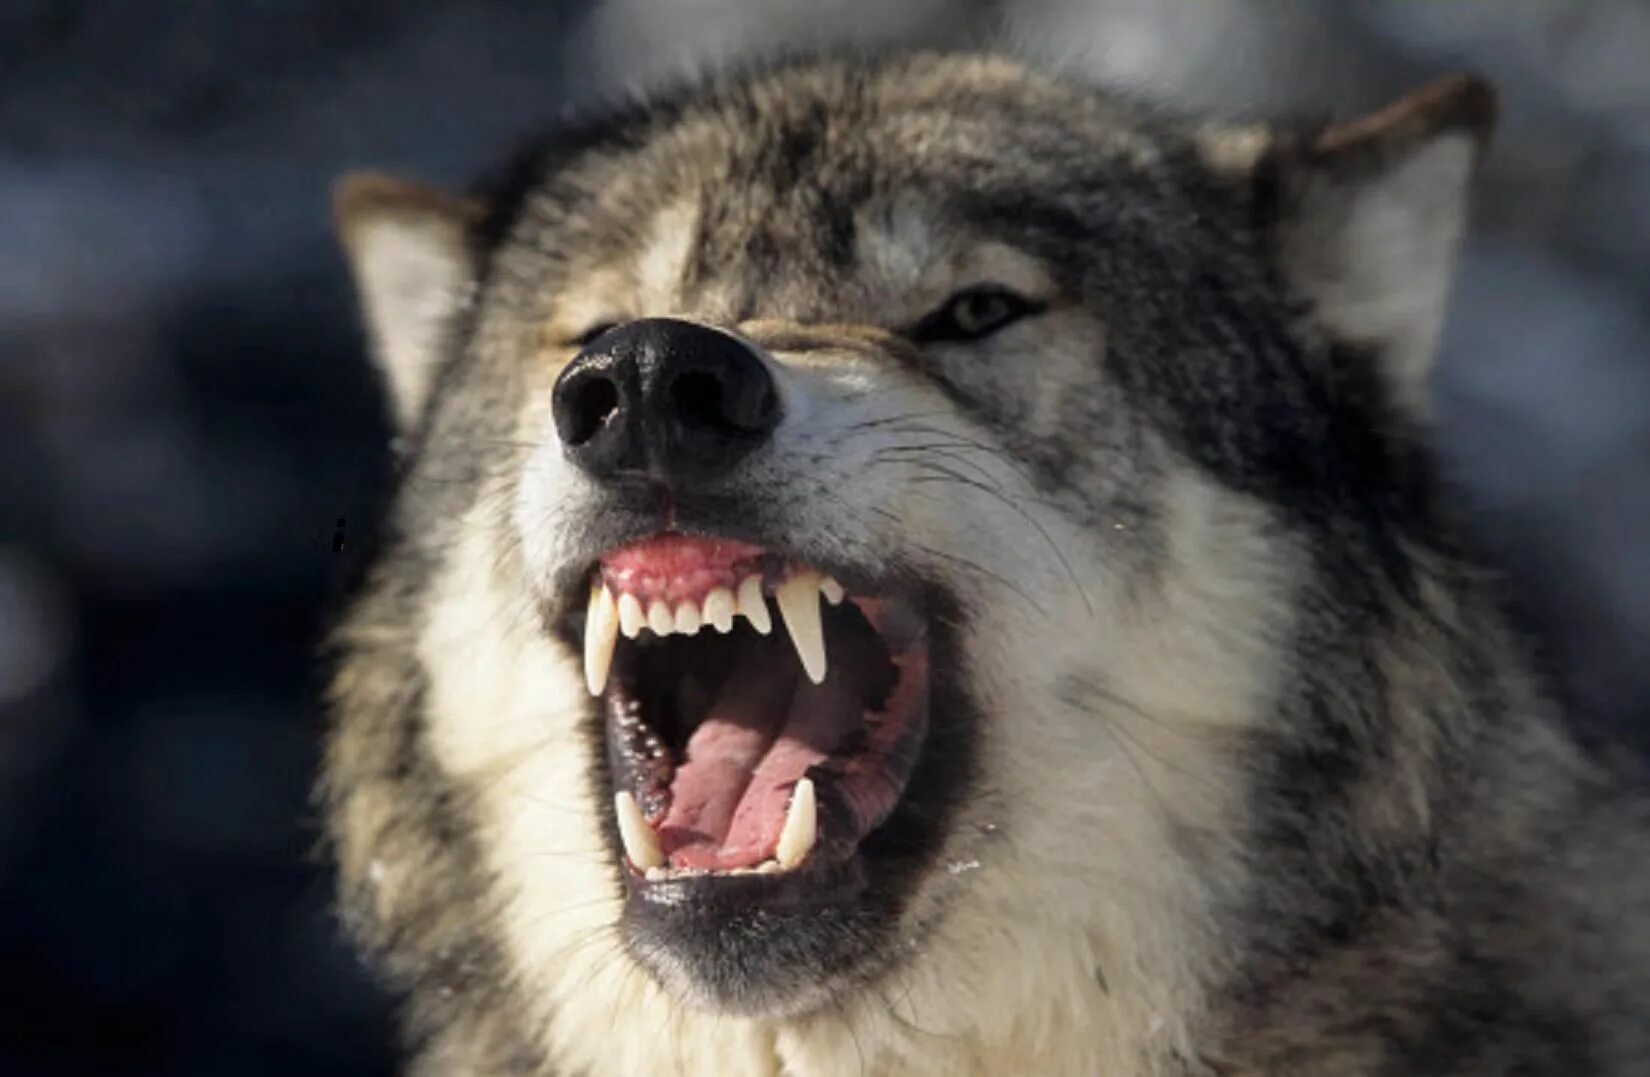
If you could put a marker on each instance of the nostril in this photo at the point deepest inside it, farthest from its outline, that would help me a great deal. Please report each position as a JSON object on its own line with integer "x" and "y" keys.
{"x": 696, "y": 398}
{"x": 710, "y": 400}
{"x": 591, "y": 406}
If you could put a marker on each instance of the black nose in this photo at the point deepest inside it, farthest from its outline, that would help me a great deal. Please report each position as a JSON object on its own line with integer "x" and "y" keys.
{"x": 664, "y": 399}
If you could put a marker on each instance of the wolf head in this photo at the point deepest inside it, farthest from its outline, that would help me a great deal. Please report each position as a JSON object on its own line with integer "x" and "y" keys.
{"x": 857, "y": 579}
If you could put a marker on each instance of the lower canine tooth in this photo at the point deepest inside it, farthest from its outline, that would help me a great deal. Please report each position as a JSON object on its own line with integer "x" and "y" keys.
{"x": 719, "y": 609}
{"x": 660, "y": 619}
{"x": 641, "y": 844}
{"x": 753, "y": 606}
{"x": 801, "y": 826}
{"x": 601, "y": 635}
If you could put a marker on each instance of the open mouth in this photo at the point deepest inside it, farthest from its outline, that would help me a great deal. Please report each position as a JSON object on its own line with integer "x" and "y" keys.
{"x": 761, "y": 719}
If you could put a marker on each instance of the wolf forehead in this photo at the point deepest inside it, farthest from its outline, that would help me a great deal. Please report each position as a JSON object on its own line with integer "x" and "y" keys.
{"x": 839, "y": 191}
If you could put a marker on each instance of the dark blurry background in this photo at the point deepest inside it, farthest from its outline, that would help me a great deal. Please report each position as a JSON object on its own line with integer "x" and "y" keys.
{"x": 186, "y": 416}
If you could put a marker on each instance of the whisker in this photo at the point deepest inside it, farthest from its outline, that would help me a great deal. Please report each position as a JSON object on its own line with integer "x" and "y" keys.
{"x": 965, "y": 563}
{"x": 885, "y": 420}
{"x": 943, "y": 473}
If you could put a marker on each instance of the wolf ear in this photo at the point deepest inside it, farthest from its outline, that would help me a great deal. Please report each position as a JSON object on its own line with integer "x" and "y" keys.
{"x": 411, "y": 250}
{"x": 1367, "y": 217}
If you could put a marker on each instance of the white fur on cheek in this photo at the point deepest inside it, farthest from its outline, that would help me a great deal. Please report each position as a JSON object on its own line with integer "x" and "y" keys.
{"x": 548, "y": 487}
{"x": 1094, "y": 791}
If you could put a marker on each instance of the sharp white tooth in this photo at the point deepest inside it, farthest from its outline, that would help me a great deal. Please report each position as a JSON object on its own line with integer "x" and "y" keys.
{"x": 753, "y": 607}
{"x": 719, "y": 609}
{"x": 641, "y": 844}
{"x": 687, "y": 619}
{"x": 798, "y": 599}
{"x": 801, "y": 826}
{"x": 833, "y": 592}
{"x": 660, "y": 619}
{"x": 601, "y": 635}
{"x": 631, "y": 617}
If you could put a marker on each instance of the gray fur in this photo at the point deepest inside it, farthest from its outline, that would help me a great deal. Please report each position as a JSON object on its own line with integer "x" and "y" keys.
{"x": 1349, "y": 832}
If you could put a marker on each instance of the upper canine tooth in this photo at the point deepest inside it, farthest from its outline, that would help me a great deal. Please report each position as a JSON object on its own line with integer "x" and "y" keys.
{"x": 641, "y": 844}
{"x": 719, "y": 609}
{"x": 687, "y": 619}
{"x": 660, "y": 619}
{"x": 631, "y": 617}
{"x": 798, "y": 598}
{"x": 833, "y": 592}
{"x": 801, "y": 826}
{"x": 753, "y": 606}
{"x": 601, "y": 635}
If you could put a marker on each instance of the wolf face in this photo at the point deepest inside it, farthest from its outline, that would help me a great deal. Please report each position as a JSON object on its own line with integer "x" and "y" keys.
{"x": 912, "y": 561}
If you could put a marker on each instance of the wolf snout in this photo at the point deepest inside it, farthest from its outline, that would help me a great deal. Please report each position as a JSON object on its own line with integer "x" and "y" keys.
{"x": 666, "y": 400}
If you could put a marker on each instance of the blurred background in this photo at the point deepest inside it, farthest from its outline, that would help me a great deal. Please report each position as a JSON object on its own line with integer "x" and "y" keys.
{"x": 188, "y": 425}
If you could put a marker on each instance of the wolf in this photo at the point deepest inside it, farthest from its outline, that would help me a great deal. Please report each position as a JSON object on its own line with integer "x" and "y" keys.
{"x": 912, "y": 563}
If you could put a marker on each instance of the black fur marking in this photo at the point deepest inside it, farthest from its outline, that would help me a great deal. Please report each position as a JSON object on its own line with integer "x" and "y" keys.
{"x": 1475, "y": 1020}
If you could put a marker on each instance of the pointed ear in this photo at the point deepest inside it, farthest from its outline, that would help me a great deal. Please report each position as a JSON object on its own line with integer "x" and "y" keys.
{"x": 411, "y": 250}
{"x": 1368, "y": 215}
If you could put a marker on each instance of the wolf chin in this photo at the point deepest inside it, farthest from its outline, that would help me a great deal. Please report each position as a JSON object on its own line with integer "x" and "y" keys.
{"x": 914, "y": 565}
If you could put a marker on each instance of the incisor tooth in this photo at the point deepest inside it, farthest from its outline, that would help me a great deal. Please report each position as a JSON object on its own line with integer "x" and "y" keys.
{"x": 753, "y": 607}
{"x": 687, "y": 619}
{"x": 833, "y": 592}
{"x": 601, "y": 635}
{"x": 660, "y": 619}
{"x": 801, "y": 826}
{"x": 631, "y": 617}
{"x": 641, "y": 844}
{"x": 798, "y": 599}
{"x": 719, "y": 609}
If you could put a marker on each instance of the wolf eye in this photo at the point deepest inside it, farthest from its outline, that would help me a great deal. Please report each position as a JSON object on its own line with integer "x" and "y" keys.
{"x": 974, "y": 313}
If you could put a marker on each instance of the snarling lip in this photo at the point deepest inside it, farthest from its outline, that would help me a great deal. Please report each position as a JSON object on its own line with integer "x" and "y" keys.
{"x": 742, "y": 743}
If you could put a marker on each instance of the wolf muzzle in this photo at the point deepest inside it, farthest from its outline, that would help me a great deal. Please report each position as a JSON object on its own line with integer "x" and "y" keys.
{"x": 664, "y": 400}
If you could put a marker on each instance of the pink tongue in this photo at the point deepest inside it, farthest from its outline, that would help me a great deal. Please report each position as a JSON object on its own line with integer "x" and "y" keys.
{"x": 729, "y": 797}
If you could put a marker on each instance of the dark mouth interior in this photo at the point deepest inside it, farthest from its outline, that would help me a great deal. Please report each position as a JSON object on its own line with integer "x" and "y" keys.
{"x": 712, "y": 732}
